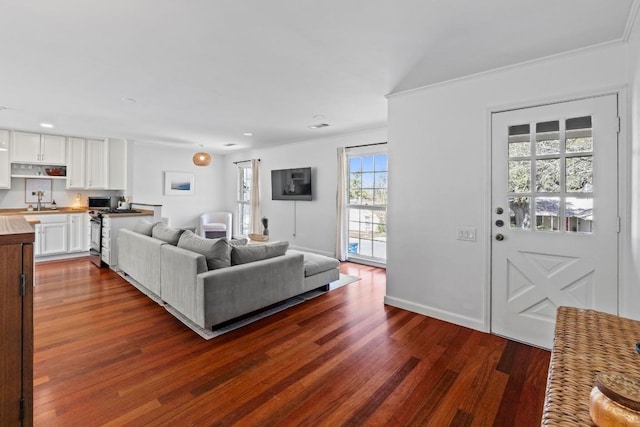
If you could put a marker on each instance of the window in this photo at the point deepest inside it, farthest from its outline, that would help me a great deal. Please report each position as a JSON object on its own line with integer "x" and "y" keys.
{"x": 367, "y": 205}
{"x": 551, "y": 176}
{"x": 244, "y": 198}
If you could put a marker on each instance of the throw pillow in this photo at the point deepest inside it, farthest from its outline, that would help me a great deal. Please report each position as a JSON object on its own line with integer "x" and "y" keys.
{"x": 143, "y": 227}
{"x": 166, "y": 233}
{"x": 238, "y": 241}
{"x": 217, "y": 252}
{"x": 250, "y": 253}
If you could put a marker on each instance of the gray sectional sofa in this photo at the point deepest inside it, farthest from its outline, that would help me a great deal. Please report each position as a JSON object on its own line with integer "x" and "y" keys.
{"x": 211, "y": 281}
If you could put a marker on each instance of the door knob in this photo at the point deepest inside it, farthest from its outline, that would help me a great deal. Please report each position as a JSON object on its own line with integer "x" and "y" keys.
{"x": 499, "y": 211}
{"x": 499, "y": 237}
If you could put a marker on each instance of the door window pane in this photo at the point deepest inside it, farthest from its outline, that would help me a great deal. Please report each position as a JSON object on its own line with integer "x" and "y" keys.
{"x": 579, "y": 214}
{"x": 548, "y": 213}
{"x": 548, "y": 175}
{"x": 519, "y": 213}
{"x": 579, "y": 174}
{"x": 519, "y": 141}
{"x": 579, "y": 137}
{"x": 548, "y": 138}
{"x": 519, "y": 176}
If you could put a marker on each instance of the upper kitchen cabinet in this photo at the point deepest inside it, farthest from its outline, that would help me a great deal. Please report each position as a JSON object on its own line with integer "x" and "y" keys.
{"x": 96, "y": 163}
{"x": 76, "y": 163}
{"x": 97, "y": 159}
{"x": 5, "y": 169}
{"x": 35, "y": 148}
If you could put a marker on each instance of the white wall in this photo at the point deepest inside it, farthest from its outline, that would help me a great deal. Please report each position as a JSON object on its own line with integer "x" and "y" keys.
{"x": 630, "y": 294}
{"x": 439, "y": 177}
{"x": 147, "y": 164}
{"x": 315, "y": 222}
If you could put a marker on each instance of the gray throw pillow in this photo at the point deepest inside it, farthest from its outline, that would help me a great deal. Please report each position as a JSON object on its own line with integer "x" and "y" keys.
{"x": 238, "y": 241}
{"x": 217, "y": 252}
{"x": 166, "y": 233}
{"x": 143, "y": 227}
{"x": 250, "y": 253}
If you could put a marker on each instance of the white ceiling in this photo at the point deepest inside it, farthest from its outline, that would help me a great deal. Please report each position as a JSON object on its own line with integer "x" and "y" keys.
{"x": 206, "y": 71}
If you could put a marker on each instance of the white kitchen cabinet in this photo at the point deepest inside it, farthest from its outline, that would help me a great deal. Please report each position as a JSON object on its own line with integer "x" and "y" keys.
{"x": 51, "y": 235}
{"x": 27, "y": 147}
{"x": 76, "y": 163}
{"x": 97, "y": 158}
{"x": 78, "y": 232}
{"x": 5, "y": 167}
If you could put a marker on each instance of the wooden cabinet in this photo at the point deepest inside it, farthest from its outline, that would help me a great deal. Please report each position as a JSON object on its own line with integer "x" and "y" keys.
{"x": 5, "y": 168}
{"x": 16, "y": 321}
{"x": 35, "y": 148}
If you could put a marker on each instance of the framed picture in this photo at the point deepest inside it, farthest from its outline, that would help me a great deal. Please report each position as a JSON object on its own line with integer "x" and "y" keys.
{"x": 179, "y": 183}
{"x": 33, "y": 186}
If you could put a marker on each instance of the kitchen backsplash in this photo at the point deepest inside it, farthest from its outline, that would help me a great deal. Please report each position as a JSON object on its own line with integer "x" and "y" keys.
{"x": 15, "y": 197}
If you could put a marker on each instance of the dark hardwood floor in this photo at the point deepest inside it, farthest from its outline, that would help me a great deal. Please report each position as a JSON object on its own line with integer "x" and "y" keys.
{"x": 107, "y": 355}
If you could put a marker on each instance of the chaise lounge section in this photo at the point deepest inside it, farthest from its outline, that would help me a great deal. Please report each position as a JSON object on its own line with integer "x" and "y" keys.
{"x": 212, "y": 281}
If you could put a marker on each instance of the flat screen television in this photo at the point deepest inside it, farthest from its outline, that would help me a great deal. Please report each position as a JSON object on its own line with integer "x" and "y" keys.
{"x": 291, "y": 184}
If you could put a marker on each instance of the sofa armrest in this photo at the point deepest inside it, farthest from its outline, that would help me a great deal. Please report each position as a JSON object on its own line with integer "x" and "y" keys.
{"x": 139, "y": 257}
{"x": 179, "y": 269}
{"x": 234, "y": 291}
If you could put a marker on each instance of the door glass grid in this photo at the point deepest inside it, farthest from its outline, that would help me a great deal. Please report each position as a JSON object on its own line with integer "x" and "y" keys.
{"x": 367, "y": 207}
{"x": 550, "y": 176}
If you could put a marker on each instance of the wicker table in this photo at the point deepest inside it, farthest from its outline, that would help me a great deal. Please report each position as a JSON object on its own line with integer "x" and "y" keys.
{"x": 586, "y": 342}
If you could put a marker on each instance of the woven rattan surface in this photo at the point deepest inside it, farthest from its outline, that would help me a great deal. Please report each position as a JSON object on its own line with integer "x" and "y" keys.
{"x": 586, "y": 342}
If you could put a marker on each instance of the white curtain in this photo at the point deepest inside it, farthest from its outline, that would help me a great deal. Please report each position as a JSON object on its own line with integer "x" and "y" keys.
{"x": 256, "y": 224}
{"x": 341, "y": 203}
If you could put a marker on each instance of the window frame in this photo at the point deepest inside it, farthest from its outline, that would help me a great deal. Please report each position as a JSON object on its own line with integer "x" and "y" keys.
{"x": 243, "y": 204}
{"x": 362, "y": 152}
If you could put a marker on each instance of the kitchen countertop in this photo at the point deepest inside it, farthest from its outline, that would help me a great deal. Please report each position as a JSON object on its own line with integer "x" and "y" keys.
{"x": 24, "y": 211}
{"x": 69, "y": 210}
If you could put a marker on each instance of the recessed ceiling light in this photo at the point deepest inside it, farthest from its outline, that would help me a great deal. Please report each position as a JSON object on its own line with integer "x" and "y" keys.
{"x": 248, "y": 134}
{"x": 318, "y": 126}
{"x": 129, "y": 100}
{"x": 46, "y": 125}
{"x": 230, "y": 145}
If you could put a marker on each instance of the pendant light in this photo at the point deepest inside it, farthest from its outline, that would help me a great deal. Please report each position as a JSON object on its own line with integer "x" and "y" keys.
{"x": 201, "y": 158}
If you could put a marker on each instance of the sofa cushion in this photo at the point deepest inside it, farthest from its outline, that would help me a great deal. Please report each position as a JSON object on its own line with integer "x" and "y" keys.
{"x": 143, "y": 227}
{"x": 217, "y": 252}
{"x": 314, "y": 264}
{"x": 250, "y": 253}
{"x": 166, "y": 233}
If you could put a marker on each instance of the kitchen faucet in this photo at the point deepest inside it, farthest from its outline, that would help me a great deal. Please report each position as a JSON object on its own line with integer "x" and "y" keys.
{"x": 38, "y": 194}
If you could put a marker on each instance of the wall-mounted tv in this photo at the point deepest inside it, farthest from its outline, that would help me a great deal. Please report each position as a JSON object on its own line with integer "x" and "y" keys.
{"x": 291, "y": 184}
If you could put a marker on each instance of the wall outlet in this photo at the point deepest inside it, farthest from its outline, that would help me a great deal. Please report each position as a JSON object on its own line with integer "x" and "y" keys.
{"x": 466, "y": 233}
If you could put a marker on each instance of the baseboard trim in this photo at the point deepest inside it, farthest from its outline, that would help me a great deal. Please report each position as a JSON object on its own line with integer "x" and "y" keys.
{"x": 436, "y": 313}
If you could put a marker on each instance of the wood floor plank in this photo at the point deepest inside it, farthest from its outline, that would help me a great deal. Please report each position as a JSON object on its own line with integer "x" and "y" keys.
{"x": 105, "y": 354}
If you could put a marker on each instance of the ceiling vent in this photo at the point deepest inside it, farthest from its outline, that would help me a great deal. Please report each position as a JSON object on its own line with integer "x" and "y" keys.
{"x": 319, "y": 126}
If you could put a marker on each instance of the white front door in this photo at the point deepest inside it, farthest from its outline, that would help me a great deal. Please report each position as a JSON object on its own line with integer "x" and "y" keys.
{"x": 554, "y": 215}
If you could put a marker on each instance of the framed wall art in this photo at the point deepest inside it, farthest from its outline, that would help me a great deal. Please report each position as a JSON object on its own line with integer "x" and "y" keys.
{"x": 179, "y": 183}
